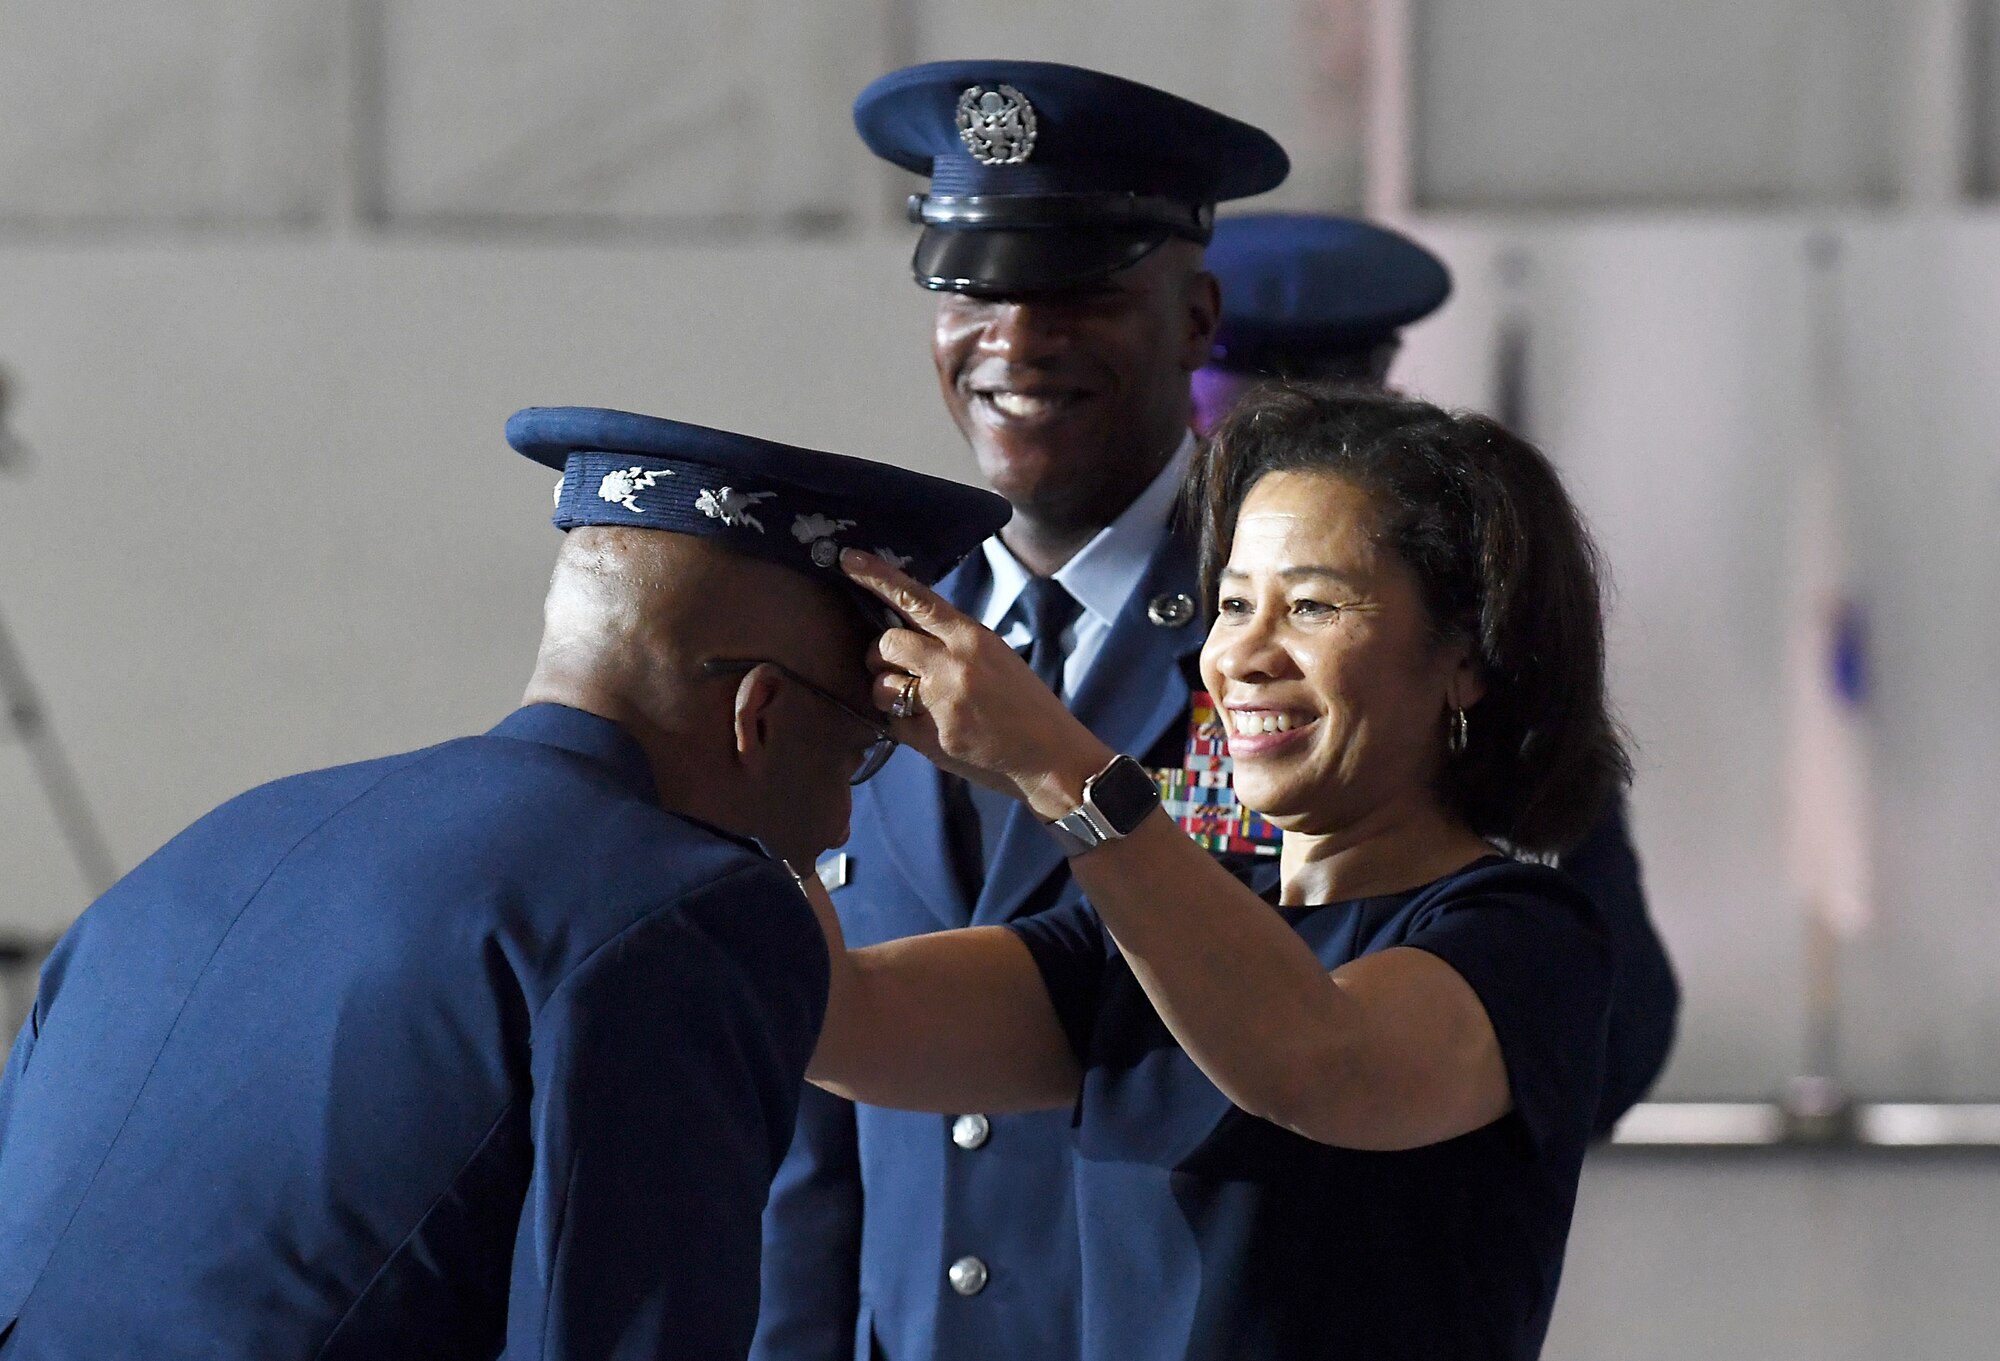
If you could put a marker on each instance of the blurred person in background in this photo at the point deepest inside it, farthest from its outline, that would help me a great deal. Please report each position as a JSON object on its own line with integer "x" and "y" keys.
{"x": 1345, "y": 1116}
{"x": 494, "y": 1045}
{"x": 1311, "y": 298}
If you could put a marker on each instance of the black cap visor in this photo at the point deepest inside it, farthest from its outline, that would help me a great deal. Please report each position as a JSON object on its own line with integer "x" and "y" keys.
{"x": 986, "y": 261}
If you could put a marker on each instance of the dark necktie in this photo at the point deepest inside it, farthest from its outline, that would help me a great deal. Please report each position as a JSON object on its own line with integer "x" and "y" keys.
{"x": 1049, "y": 611}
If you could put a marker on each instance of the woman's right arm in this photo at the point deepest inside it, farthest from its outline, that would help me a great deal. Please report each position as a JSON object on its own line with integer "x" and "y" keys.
{"x": 951, "y": 1021}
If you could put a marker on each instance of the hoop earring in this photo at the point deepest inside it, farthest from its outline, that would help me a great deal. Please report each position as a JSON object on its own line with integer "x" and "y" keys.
{"x": 1457, "y": 733}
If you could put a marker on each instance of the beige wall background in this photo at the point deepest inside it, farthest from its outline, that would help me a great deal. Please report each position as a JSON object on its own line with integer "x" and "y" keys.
{"x": 273, "y": 274}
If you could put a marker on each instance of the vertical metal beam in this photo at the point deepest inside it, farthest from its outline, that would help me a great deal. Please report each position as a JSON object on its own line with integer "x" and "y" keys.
{"x": 1938, "y": 88}
{"x": 364, "y": 150}
{"x": 1817, "y": 1100}
{"x": 1389, "y": 139}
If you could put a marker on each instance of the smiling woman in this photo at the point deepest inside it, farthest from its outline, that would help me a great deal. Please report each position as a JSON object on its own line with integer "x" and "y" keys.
{"x": 1462, "y": 528}
{"x": 1346, "y": 1119}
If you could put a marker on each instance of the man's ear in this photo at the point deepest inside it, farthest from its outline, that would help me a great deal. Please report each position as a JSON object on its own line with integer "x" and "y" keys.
{"x": 1204, "y": 315}
{"x": 755, "y": 694}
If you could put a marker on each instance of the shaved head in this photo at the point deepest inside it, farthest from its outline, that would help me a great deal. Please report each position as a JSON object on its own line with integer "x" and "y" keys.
{"x": 624, "y": 597}
{"x": 631, "y": 617}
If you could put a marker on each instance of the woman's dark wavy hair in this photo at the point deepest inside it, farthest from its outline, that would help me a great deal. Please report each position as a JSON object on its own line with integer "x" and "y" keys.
{"x": 1503, "y": 560}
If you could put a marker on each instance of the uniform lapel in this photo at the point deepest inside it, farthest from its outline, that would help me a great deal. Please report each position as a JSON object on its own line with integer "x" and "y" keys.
{"x": 913, "y": 829}
{"x": 1135, "y": 693}
{"x": 912, "y": 834}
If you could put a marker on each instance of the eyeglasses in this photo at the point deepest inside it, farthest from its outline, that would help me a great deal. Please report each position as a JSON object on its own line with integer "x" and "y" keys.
{"x": 877, "y": 754}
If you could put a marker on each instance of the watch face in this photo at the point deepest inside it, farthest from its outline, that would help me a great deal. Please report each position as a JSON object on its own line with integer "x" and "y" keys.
{"x": 1125, "y": 793}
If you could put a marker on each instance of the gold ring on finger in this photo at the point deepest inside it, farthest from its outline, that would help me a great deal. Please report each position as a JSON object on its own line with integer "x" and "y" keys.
{"x": 907, "y": 705}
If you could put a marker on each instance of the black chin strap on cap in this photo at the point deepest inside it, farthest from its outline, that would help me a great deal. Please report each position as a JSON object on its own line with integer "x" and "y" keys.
{"x": 1030, "y": 212}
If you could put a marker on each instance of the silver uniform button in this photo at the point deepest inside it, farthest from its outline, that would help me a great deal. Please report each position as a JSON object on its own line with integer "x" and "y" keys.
{"x": 967, "y": 1275}
{"x": 971, "y": 1131}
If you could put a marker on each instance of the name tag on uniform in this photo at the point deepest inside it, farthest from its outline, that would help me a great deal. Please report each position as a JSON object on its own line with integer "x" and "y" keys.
{"x": 1201, "y": 797}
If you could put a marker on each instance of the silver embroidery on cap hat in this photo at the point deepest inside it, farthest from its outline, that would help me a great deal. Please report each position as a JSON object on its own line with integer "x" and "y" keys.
{"x": 899, "y": 561}
{"x": 818, "y": 530}
{"x": 806, "y": 528}
{"x": 623, "y": 487}
{"x": 997, "y": 124}
{"x": 731, "y": 506}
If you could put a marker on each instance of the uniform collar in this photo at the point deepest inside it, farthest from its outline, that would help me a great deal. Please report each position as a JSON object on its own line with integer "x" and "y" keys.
{"x": 588, "y": 735}
{"x": 1104, "y": 574}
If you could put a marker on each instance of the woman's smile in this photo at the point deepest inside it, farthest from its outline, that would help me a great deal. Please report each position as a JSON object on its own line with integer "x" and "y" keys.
{"x": 1257, "y": 730}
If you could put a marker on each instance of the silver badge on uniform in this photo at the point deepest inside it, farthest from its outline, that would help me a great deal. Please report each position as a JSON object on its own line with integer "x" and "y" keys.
{"x": 997, "y": 124}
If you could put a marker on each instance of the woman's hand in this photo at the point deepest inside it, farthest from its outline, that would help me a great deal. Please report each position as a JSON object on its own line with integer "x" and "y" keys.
{"x": 979, "y": 711}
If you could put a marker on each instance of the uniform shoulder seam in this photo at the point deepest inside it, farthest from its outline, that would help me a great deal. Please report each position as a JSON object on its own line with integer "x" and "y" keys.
{"x": 646, "y": 918}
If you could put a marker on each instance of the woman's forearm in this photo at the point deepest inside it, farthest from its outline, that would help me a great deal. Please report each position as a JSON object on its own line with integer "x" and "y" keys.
{"x": 1390, "y": 1051}
{"x": 953, "y": 1021}
{"x": 1241, "y": 992}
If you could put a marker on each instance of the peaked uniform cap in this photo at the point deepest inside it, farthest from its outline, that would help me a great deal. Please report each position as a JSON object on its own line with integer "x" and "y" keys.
{"x": 777, "y": 502}
{"x": 1046, "y": 176}
{"x": 1302, "y": 284}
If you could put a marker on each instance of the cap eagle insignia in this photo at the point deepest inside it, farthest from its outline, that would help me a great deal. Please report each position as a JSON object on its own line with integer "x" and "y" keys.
{"x": 997, "y": 124}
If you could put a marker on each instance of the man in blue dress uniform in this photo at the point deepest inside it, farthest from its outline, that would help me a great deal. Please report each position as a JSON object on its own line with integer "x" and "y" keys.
{"x": 496, "y": 1045}
{"x": 1064, "y": 230}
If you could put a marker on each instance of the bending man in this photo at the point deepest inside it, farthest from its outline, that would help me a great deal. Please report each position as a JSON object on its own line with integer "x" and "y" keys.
{"x": 495, "y": 1044}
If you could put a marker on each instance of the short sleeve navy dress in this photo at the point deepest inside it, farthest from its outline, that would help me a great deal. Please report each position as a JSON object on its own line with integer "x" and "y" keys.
{"x": 1209, "y": 1233}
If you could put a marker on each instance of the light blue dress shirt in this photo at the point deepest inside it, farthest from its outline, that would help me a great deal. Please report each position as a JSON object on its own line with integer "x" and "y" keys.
{"x": 1102, "y": 576}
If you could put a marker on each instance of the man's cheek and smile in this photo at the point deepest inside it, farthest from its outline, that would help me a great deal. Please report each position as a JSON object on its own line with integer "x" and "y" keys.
{"x": 1026, "y": 409}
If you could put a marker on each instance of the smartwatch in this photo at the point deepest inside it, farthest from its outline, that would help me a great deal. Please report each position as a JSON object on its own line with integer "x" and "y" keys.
{"x": 1115, "y": 801}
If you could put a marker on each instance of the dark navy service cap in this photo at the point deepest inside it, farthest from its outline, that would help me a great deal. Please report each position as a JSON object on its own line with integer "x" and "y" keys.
{"x": 795, "y": 507}
{"x": 1294, "y": 285}
{"x": 1046, "y": 176}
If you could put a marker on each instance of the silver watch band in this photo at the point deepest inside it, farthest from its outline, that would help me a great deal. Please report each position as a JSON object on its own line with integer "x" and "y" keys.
{"x": 1083, "y": 829}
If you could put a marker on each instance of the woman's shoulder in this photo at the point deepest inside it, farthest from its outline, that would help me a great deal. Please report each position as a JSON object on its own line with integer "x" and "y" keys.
{"x": 1508, "y": 900}
{"x": 1502, "y": 875}
{"x": 1509, "y": 893}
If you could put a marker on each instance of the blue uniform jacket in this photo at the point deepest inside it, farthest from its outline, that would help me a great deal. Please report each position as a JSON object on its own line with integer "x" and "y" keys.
{"x": 838, "y": 1281}
{"x": 470, "y": 1048}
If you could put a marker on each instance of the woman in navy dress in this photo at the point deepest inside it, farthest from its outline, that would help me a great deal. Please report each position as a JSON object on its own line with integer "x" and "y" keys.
{"x": 1344, "y": 1119}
